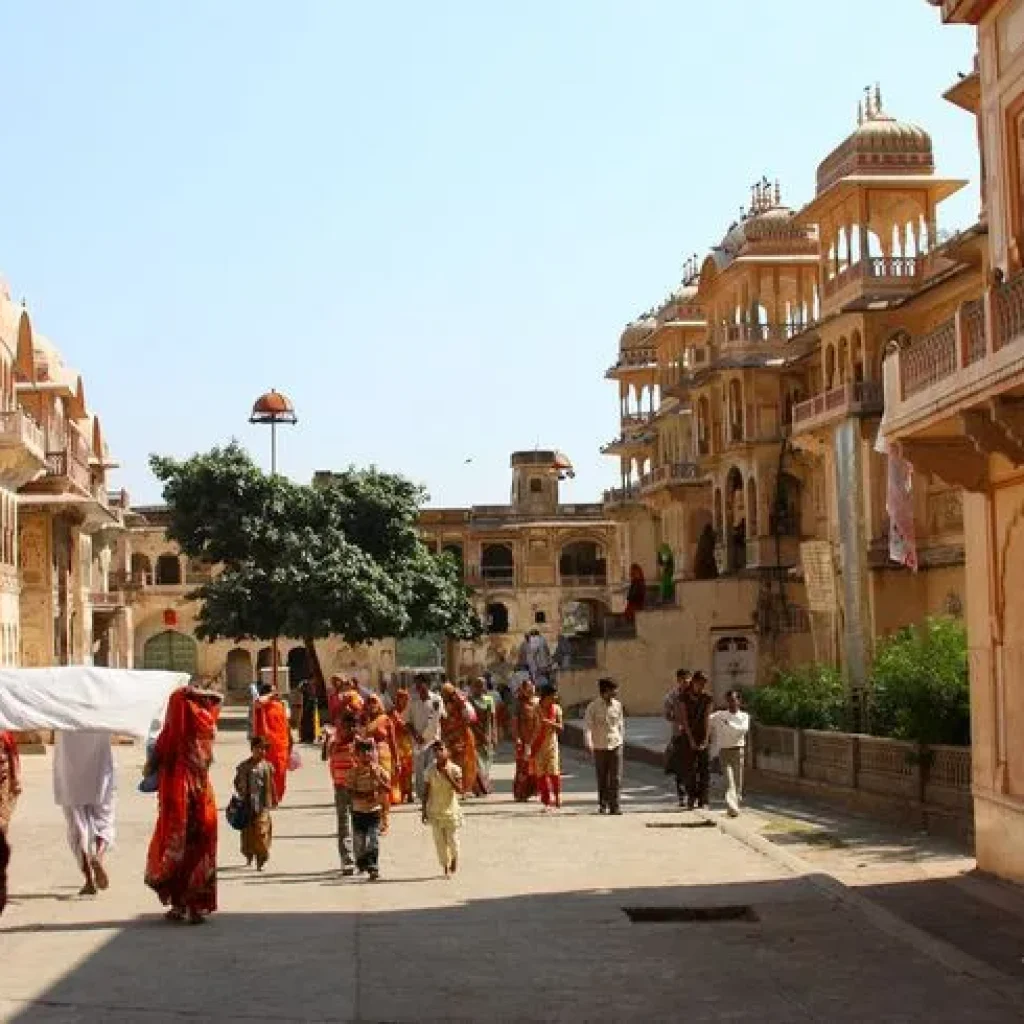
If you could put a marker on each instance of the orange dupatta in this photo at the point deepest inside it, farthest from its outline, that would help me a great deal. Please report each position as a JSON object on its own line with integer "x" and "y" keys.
{"x": 270, "y": 721}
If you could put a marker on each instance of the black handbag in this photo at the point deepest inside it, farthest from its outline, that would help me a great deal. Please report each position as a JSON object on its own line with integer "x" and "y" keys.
{"x": 238, "y": 813}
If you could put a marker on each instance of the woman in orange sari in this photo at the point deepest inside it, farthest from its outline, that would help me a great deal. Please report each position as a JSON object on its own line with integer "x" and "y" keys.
{"x": 377, "y": 726}
{"x": 181, "y": 865}
{"x": 10, "y": 788}
{"x": 457, "y": 733}
{"x": 401, "y": 786}
{"x": 270, "y": 721}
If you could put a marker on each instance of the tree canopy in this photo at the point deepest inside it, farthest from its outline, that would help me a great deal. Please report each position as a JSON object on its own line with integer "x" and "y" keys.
{"x": 341, "y": 557}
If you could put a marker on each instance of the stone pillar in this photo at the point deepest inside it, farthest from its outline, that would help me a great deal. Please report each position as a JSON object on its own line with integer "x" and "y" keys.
{"x": 853, "y": 551}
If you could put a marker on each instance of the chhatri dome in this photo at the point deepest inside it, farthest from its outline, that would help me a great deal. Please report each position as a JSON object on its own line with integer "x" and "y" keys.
{"x": 880, "y": 145}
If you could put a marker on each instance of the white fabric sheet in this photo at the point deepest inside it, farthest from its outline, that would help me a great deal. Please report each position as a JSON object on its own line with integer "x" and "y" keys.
{"x": 83, "y": 769}
{"x": 79, "y": 697}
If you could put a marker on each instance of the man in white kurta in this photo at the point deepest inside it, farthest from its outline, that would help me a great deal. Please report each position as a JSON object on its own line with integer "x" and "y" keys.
{"x": 84, "y": 787}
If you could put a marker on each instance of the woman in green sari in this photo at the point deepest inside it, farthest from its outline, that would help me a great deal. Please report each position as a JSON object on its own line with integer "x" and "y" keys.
{"x": 485, "y": 732}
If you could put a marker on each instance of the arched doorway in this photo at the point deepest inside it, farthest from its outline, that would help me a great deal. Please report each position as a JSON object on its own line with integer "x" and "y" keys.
{"x": 735, "y": 520}
{"x": 496, "y": 618}
{"x": 299, "y": 667}
{"x": 168, "y": 571}
{"x": 171, "y": 651}
{"x": 264, "y": 658}
{"x": 238, "y": 669}
{"x": 497, "y": 564}
{"x": 582, "y": 564}
{"x": 142, "y": 569}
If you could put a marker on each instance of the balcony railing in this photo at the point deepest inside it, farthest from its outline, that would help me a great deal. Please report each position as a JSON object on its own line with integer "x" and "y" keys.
{"x": 757, "y": 334}
{"x": 860, "y": 396}
{"x": 887, "y": 273}
{"x": 636, "y": 419}
{"x": 498, "y": 574}
{"x": 635, "y": 359}
{"x": 597, "y": 579}
{"x": 622, "y": 495}
{"x": 17, "y": 427}
{"x": 928, "y": 359}
{"x": 64, "y": 465}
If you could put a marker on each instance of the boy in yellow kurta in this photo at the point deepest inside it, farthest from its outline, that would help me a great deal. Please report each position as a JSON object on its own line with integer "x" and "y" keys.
{"x": 441, "y": 808}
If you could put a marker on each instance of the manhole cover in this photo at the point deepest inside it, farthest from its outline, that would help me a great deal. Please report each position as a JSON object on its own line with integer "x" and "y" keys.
{"x": 694, "y": 823}
{"x": 699, "y": 915}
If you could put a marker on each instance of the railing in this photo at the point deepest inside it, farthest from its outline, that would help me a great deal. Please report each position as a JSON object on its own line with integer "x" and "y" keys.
{"x": 928, "y": 359}
{"x": 105, "y": 599}
{"x": 756, "y": 334}
{"x": 972, "y": 324}
{"x": 903, "y": 271}
{"x": 621, "y": 495}
{"x": 636, "y": 419}
{"x": 854, "y": 396}
{"x": 18, "y": 425}
{"x": 597, "y": 579}
{"x": 1008, "y": 311}
{"x": 62, "y": 464}
{"x": 504, "y": 574}
{"x": 636, "y": 358}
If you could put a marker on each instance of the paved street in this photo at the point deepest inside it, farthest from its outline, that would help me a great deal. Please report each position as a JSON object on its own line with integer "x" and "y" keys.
{"x": 533, "y": 928}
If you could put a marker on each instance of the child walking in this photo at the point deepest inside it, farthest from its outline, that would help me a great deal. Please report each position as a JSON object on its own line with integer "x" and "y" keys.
{"x": 441, "y": 808}
{"x": 254, "y": 784}
{"x": 368, "y": 784}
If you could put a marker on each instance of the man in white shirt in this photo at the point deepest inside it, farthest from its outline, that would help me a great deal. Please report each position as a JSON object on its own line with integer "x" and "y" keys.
{"x": 729, "y": 730}
{"x": 605, "y": 737}
{"x": 423, "y": 716}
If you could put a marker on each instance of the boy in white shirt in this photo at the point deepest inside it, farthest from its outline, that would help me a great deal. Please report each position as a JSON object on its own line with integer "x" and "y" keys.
{"x": 729, "y": 730}
{"x": 441, "y": 809}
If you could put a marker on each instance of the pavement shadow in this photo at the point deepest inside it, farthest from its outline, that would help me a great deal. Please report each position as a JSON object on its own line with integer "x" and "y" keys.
{"x": 573, "y": 955}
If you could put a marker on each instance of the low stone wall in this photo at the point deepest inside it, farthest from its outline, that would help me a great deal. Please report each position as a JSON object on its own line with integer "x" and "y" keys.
{"x": 925, "y": 787}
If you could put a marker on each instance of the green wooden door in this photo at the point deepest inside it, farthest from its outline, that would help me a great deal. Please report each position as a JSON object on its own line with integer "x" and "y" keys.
{"x": 171, "y": 651}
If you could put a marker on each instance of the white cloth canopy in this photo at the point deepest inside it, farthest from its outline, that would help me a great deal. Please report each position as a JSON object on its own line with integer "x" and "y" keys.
{"x": 83, "y": 769}
{"x": 79, "y": 697}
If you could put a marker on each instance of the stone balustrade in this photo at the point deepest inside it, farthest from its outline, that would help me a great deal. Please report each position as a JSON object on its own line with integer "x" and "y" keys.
{"x": 851, "y": 398}
{"x": 928, "y": 785}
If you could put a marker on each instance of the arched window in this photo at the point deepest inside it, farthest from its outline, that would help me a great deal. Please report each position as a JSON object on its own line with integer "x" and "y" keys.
{"x": 786, "y": 511}
{"x": 582, "y": 563}
{"x": 497, "y": 564}
{"x": 844, "y": 360}
{"x": 168, "y": 571}
{"x": 735, "y": 520}
{"x": 238, "y": 669}
{"x": 703, "y": 426}
{"x": 735, "y": 410}
{"x": 496, "y": 618}
{"x": 830, "y": 367}
{"x": 751, "y": 507}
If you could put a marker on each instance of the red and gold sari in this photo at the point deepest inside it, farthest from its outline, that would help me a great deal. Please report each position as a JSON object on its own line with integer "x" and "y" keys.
{"x": 527, "y": 726}
{"x": 377, "y": 726}
{"x": 271, "y": 722}
{"x": 401, "y": 780}
{"x": 181, "y": 866}
{"x": 457, "y": 733}
{"x": 10, "y": 777}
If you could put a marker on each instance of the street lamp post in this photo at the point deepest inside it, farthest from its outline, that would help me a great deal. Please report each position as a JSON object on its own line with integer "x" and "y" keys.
{"x": 273, "y": 408}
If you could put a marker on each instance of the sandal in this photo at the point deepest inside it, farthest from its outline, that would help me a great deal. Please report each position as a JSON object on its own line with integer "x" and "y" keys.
{"x": 175, "y": 914}
{"x": 195, "y": 917}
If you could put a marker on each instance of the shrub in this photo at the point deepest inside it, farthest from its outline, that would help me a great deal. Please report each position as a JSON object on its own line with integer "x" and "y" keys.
{"x": 921, "y": 685}
{"x": 808, "y": 697}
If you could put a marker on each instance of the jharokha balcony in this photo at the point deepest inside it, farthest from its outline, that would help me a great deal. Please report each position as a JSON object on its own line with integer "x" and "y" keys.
{"x": 955, "y": 395}
{"x": 875, "y": 279}
{"x": 619, "y": 497}
{"x": 632, "y": 361}
{"x": 676, "y": 474}
{"x": 854, "y": 398}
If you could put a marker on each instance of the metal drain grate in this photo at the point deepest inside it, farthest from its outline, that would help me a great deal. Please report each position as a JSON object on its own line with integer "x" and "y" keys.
{"x": 692, "y": 823}
{"x": 698, "y": 915}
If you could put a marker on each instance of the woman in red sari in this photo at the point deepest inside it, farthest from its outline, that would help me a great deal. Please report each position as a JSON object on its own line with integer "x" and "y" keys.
{"x": 181, "y": 866}
{"x": 401, "y": 785}
{"x": 457, "y": 733}
{"x": 10, "y": 788}
{"x": 270, "y": 721}
{"x": 377, "y": 726}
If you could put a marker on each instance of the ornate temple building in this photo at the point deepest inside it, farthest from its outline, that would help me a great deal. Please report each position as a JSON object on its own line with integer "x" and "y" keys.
{"x": 954, "y": 389}
{"x": 60, "y": 596}
{"x": 750, "y": 403}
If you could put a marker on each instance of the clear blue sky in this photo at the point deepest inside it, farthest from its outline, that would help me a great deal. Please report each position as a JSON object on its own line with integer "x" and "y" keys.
{"x": 425, "y": 222}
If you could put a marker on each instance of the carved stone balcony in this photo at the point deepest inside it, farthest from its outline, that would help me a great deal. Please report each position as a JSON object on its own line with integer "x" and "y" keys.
{"x": 874, "y": 279}
{"x": 622, "y": 497}
{"x": 955, "y": 395}
{"x": 629, "y": 442}
{"x": 22, "y": 448}
{"x": 855, "y": 398}
{"x": 633, "y": 361}
{"x": 674, "y": 474}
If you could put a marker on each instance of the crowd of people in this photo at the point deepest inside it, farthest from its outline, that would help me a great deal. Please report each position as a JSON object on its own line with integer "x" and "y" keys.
{"x": 382, "y": 751}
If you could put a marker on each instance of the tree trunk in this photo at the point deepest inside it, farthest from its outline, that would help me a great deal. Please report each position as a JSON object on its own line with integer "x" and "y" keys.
{"x": 319, "y": 683}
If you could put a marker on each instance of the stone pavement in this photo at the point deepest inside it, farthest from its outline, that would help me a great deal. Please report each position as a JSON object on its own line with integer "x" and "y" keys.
{"x": 532, "y": 929}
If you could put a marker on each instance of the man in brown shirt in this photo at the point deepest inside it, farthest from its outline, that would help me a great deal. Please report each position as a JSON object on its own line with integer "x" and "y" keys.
{"x": 696, "y": 734}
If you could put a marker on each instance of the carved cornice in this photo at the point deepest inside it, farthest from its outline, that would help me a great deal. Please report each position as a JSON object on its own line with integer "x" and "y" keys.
{"x": 955, "y": 460}
{"x": 989, "y": 435}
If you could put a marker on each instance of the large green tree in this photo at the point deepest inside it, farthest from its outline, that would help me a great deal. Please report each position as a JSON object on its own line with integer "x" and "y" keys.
{"x": 339, "y": 558}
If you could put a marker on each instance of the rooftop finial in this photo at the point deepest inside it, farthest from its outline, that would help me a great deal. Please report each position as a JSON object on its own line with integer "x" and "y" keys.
{"x": 860, "y": 112}
{"x": 878, "y": 99}
{"x": 778, "y": 193}
{"x": 868, "y": 112}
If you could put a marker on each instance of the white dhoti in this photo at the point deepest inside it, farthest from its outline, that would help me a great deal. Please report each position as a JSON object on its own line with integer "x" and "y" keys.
{"x": 84, "y": 787}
